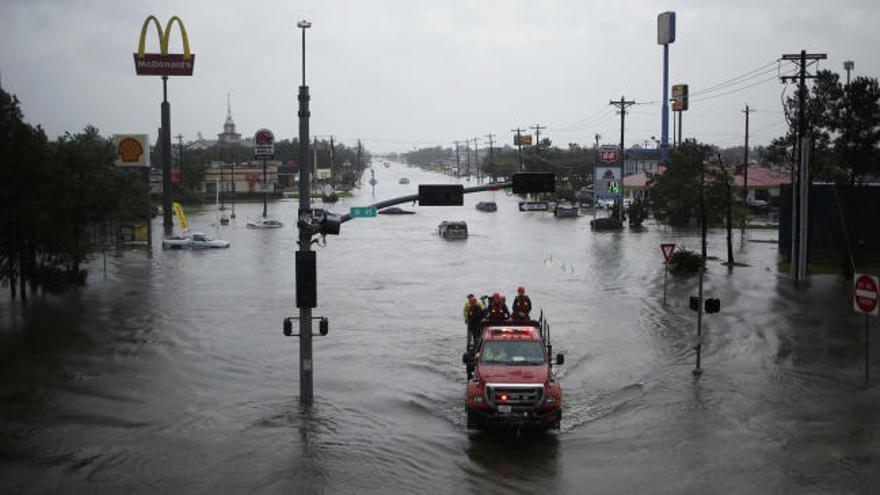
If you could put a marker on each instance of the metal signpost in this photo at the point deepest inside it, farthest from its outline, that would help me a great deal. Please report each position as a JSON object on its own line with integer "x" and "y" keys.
{"x": 865, "y": 300}
{"x": 667, "y": 254}
{"x": 264, "y": 149}
{"x": 665, "y": 36}
{"x": 164, "y": 64}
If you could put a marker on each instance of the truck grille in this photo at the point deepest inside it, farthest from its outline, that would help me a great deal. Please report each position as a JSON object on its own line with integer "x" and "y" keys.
{"x": 521, "y": 397}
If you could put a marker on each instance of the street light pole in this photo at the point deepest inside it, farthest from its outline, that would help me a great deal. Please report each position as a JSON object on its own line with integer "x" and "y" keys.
{"x": 166, "y": 158}
{"x": 304, "y": 255}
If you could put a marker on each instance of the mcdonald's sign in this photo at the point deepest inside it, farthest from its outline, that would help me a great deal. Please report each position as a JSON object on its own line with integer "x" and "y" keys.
{"x": 163, "y": 63}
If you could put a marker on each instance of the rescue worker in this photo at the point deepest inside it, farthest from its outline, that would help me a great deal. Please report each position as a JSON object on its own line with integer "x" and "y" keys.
{"x": 522, "y": 305}
{"x": 473, "y": 314}
{"x": 497, "y": 310}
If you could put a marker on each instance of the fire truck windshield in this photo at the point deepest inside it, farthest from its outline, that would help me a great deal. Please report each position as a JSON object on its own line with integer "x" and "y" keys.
{"x": 512, "y": 352}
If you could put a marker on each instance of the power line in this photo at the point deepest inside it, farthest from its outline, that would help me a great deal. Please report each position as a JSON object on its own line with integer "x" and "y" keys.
{"x": 735, "y": 80}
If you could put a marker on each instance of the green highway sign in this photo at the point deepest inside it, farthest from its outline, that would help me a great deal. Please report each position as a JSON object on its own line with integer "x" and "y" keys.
{"x": 363, "y": 211}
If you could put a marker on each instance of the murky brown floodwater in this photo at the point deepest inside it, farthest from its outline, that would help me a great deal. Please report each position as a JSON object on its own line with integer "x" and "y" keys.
{"x": 169, "y": 373}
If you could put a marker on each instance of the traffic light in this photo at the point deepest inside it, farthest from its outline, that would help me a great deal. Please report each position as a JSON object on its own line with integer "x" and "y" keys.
{"x": 441, "y": 195}
{"x": 534, "y": 182}
{"x": 326, "y": 223}
{"x": 306, "y": 280}
{"x": 712, "y": 305}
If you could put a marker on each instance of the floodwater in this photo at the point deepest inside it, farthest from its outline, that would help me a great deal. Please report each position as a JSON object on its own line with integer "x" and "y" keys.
{"x": 170, "y": 373}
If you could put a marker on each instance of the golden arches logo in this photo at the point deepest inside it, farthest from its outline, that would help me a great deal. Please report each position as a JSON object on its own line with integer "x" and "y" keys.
{"x": 163, "y": 36}
{"x": 163, "y": 63}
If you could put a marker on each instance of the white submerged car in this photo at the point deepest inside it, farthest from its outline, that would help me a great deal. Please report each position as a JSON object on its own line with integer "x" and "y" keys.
{"x": 265, "y": 223}
{"x": 196, "y": 240}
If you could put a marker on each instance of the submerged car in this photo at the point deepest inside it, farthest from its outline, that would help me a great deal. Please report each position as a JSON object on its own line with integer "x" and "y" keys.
{"x": 395, "y": 211}
{"x": 204, "y": 241}
{"x": 487, "y": 206}
{"x": 453, "y": 230}
{"x": 265, "y": 223}
{"x": 565, "y": 210}
{"x": 196, "y": 240}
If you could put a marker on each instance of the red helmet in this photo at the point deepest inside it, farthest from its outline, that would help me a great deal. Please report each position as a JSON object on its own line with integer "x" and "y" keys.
{"x": 496, "y": 296}
{"x": 521, "y": 290}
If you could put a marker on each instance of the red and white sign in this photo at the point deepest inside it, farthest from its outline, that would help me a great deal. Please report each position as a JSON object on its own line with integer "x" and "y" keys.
{"x": 608, "y": 154}
{"x": 667, "y": 250}
{"x": 866, "y": 294}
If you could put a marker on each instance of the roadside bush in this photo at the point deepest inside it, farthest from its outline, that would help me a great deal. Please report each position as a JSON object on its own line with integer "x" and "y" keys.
{"x": 684, "y": 262}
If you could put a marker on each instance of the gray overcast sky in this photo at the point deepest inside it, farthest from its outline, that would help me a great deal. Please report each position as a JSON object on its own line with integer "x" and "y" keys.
{"x": 413, "y": 73}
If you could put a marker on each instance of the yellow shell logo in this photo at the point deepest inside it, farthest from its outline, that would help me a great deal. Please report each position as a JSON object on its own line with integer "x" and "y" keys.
{"x": 130, "y": 150}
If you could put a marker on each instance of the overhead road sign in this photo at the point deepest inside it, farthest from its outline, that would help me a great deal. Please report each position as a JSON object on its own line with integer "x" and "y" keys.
{"x": 533, "y": 206}
{"x": 362, "y": 211}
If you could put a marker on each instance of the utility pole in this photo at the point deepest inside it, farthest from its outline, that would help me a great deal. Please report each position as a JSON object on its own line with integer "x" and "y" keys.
{"x": 492, "y": 157}
{"x": 179, "y": 150}
{"x": 518, "y": 131}
{"x": 597, "y": 136}
{"x": 457, "y": 161}
{"x": 800, "y": 195}
{"x": 332, "y": 165}
{"x": 537, "y": 128}
{"x": 699, "y": 347}
{"x": 477, "y": 159}
{"x": 746, "y": 160}
{"x": 467, "y": 157}
{"x": 621, "y": 106}
{"x": 848, "y": 66}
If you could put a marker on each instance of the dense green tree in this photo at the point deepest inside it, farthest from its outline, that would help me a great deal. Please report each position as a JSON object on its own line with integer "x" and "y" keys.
{"x": 51, "y": 195}
{"x": 676, "y": 192}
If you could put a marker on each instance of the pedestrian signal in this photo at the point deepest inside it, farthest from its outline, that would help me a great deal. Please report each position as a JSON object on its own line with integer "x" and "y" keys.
{"x": 712, "y": 305}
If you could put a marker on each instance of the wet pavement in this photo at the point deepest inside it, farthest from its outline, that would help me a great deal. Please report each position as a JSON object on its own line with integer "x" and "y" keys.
{"x": 170, "y": 373}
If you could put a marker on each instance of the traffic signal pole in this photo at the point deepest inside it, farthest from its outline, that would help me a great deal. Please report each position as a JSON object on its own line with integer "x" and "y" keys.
{"x": 306, "y": 393}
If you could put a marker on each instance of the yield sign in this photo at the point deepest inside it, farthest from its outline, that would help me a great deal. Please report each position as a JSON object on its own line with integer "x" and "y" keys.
{"x": 865, "y": 298}
{"x": 667, "y": 250}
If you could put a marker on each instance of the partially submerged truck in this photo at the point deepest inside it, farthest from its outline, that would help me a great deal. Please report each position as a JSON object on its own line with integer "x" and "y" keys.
{"x": 510, "y": 377}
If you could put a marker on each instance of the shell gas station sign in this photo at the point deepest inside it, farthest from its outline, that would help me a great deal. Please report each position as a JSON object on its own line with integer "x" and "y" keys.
{"x": 132, "y": 150}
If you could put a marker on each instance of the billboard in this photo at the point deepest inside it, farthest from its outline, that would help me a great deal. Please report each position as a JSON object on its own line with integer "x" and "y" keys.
{"x": 679, "y": 97}
{"x": 132, "y": 150}
{"x": 264, "y": 144}
{"x": 522, "y": 139}
{"x": 609, "y": 153}
{"x": 666, "y": 28}
{"x": 163, "y": 63}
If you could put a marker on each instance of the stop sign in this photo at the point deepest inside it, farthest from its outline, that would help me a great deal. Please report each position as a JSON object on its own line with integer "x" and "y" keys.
{"x": 866, "y": 296}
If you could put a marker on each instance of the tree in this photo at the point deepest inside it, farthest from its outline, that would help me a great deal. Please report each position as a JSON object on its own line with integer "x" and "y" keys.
{"x": 856, "y": 119}
{"x": 675, "y": 193}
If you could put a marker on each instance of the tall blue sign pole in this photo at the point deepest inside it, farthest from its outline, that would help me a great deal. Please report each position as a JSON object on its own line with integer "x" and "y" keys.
{"x": 665, "y": 36}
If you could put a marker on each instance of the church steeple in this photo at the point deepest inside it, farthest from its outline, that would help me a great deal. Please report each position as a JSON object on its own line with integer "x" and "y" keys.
{"x": 229, "y": 135}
